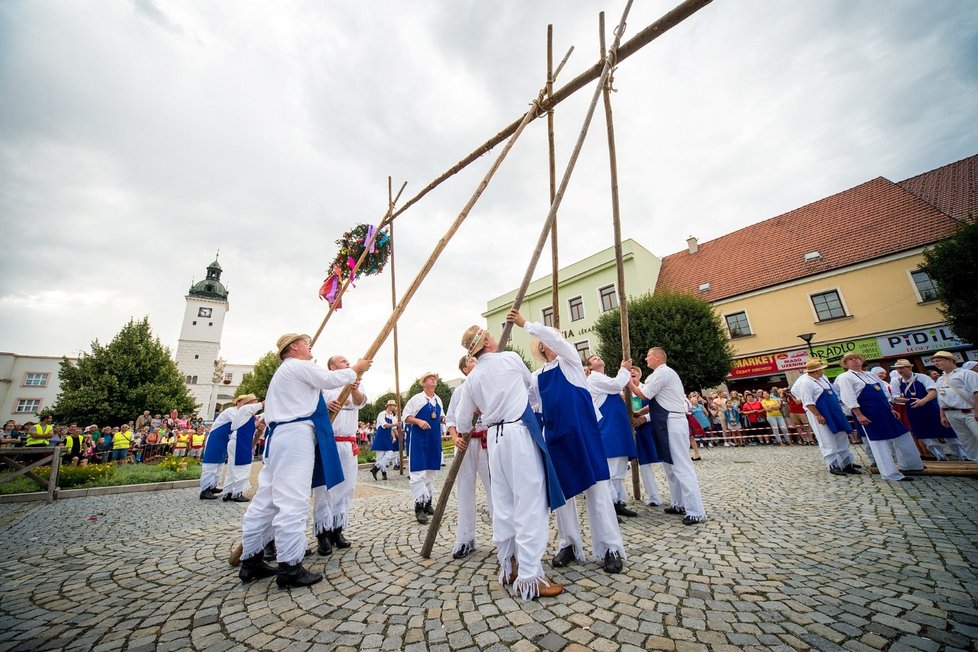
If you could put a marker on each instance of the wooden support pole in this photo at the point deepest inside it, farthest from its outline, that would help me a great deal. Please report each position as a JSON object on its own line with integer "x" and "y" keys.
{"x": 630, "y": 47}
{"x": 552, "y": 165}
{"x": 507, "y": 328}
{"x": 398, "y": 432}
{"x": 626, "y": 345}
{"x": 356, "y": 266}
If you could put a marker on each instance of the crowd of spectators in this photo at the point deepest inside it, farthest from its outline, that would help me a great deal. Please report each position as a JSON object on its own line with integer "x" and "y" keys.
{"x": 144, "y": 439}
{"x": 755, "y": 418}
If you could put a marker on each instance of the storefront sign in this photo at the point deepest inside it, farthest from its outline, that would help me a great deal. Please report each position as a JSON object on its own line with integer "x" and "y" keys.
{"x": 765, "y": 365}
{"x": 868, "y": 347}
{"x": 919, "y": 341}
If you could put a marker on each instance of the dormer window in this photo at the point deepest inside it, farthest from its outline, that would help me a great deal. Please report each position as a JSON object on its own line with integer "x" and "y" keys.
{"x": 704, "y": 287}
{"x": 812, "y": 255}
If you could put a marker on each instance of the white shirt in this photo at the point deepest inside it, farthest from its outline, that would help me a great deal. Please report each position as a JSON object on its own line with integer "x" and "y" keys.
{"x": 568, "y": 359}
{"x": 499, "y": 386}
{"x": 950, "y": 384}
{"x": 453, "y": 408}
{"x": 295, "y": 387}
{"x": 347, "y": 419}
{"x": 382, "y": 420}
{"x": 808, "y": 389}
{"x": 602, "y": 386}
{"x": 851, "y": 383}
{"x": 666, "y": 387}
{"x": 418, "y": 401}
{"x": 926, "y": 381}
{"x": 226, "y": 416}
{"x": 244, "y": 414}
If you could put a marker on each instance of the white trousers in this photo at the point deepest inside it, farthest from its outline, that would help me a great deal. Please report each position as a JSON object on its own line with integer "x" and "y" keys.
{"x": 422, "y": 485}
{"x": 385, "y": 459}
{"x": 475, "y": 463}
{"x": 618, "y": 469}
{"x": 238, "y": 476}
{"x": 834, "y": 446}
{"x": 648, "y": 479}
{"x": 681, "y": 476}
{"x": 520, "y": 527}
{"x": 280, "y": 507}
{"x": 210, "y": 476}
{"x": 605, "y": 533}
{"x": 332, "y": 508}
{"x": 966, "y": 428}
{"x": 892, "y": 455}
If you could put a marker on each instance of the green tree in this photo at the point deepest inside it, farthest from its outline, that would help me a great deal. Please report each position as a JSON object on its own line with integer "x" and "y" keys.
{"x": 115, "y": 383}
{"x": 368, "y": 413}
{"x": 951, "y": 264}
{"x": 256, "y": 381}
{"x": 685, "y": 326}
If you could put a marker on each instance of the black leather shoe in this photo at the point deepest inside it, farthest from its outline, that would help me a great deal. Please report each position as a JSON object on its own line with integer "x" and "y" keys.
{"x": 338, "y": 539}
{"x": 294, "y": 575}
{"x": 225, "y": 498}
{"x": 907, "y": 478}
{"x": 621, "y": 510}
{"x": 269, "y": 551}
{"x": 373, "y": 472}
{"x": 612, "y": 562}
{"x": 254, "y": 568}
{"x": 420, "y": 514}
{"x": 851, "y": 470}
{"x": 464, "y": 551}
{"x": 324, "y": 549}
{"x": 563, "y": 557}
{"x": 693, "y": 520}
{"x": 672, "y": 509}
{"x": 428, "y": 509}
{"x": 834, "y": 470}
{"x": 239, "y": 498}
{"x": 215, "y": 491}
{"x": 384, "y": 473}
{"x": 207, "y": 495}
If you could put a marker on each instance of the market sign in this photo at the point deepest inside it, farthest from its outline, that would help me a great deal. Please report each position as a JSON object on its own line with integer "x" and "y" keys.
{"x": 919, "y": 341}
{"x": 867, "y": 346}
{"x": 766, "y": 365}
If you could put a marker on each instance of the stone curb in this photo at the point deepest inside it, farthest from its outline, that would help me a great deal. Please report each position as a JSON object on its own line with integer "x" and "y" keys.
{"x": 99, "y": 491}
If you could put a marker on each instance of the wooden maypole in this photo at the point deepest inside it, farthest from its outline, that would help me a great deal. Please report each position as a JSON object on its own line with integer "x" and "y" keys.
{"x": 552, "y": 167}
{"x": 397, "y": 373}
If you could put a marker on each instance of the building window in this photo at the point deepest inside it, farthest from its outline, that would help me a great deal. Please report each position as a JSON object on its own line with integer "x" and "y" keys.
{"x": 210, "y": 323}
{"x": 191, "y": 380}
{"x": 28, "y": 406}
{"x": 828, "y": 305}
{"x": 194, "y": 323}
{"x": 737, "y": 324}
{"x": 228, "y": 377}
{"x": 576, "y": 308}
{"x": 548, "y": 316}
{"x": 925, "y": 287}
{"x": 583, "y": 349}
{"x": 609, "y": 298}
{"x": 196, "y": 357}
{"x": 36, "y": 379}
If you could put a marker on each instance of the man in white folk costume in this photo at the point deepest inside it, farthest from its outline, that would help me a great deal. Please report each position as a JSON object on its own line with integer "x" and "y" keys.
{"x": 475, "y": 463}
{"x": 423, "y": 413}
{"x": 231, "y": 438}
{"x": 570, "y": 427}
{"x": 826, "y": 418}
{"x": 385, "y": 439}
{"x": 524, "y": 482}
{"x": 957, "y": 396}
{"x": 300, "y": 453}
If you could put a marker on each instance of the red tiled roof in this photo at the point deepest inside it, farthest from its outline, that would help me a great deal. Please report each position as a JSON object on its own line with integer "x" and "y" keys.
{"x": 952, "y": 188}
{"x": 873, "y": 219}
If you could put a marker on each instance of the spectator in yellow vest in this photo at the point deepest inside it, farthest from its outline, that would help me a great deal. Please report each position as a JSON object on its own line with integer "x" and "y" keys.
{"x": 120, "y": 444}
{"x": 41, "y": 433}
{"x": 196, "y": 444}
{"x": 181, "y": 445}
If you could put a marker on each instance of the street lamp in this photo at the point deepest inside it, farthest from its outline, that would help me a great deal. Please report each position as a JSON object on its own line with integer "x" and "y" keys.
{"x": 808, "y": 340}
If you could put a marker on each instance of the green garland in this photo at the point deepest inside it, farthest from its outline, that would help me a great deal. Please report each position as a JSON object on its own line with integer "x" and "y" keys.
{"x": 351, "y": 248}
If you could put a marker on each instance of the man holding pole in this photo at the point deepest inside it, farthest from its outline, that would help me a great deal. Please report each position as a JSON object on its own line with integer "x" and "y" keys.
{"x": 475, "y": 463}
{"x": 616, "y": 429}
{"x": 299, "y": 452}
{"x": 826, "y": 418}
{"x": 385, "y": 439}
{"x": 524, "y": 482}
{"x": 424, "y": 412}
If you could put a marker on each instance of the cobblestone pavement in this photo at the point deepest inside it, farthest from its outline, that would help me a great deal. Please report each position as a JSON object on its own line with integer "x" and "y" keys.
{"x": 791, "y": 558}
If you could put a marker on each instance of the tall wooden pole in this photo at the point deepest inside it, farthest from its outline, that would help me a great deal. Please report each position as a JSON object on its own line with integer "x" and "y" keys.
{"x": 554, "y": 259}
{"x": 606, "y": 70}
{"x": 397, "y": 373}
{"x": 626, "y": 344}
{"x": 507, "y": 328}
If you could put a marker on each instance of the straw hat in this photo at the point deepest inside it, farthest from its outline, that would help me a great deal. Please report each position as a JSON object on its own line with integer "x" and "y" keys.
{"x": 287, "y": 339}
{"x": 391, "y": 402}
{"x": 474, "y": 338}
{"x": 245, "y": 398}
{"x": 426, "y": 375}
{"x": 814, "y": 364}
{"x": 944, "y": 354}
{"x": 851, "y": 354}
{"x": 902, "y": 362}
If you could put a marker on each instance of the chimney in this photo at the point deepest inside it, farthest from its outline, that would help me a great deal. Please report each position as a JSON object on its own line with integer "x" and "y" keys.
{"x": 692, "y": 244}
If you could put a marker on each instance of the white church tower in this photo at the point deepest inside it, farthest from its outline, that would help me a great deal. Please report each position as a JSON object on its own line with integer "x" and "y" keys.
{"x": 200, "y": 339}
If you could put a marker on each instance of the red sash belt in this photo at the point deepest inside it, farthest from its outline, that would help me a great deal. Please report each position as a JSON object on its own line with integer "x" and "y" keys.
{"x": 352, "y": 440}
{"x": 480, "y": 434}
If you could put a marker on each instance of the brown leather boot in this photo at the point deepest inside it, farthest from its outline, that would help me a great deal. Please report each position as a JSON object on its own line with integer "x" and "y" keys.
{"x": 514, "y": 572}
{"x": 549, "y": 591}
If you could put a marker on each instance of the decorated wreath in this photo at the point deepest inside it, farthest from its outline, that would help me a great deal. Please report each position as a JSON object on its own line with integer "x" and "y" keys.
{"x": 352, "y": 245}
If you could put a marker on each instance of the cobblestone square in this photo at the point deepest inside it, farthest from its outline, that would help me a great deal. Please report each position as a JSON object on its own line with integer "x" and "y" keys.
{"x": 791, "y": 558}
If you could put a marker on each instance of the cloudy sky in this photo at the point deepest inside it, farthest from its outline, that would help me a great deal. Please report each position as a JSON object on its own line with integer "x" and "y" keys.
{"x": 138, "y": 138}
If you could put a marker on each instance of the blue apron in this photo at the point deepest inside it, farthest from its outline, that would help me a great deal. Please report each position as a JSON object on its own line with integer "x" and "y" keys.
{"x": 875, "y": 407}
{"x": 572, "y": 433}
{"x": 555, "y": 495}
{"x": 925, "y": 421}
{"x": 828, "y": 406}
{"x": 244, "y": 443}
{"x": 425, "y": 448}
{"x": 616, "y": 431}
{"x": 645, "y": 440}
{"x": 216, "y": 446}
{"x": 383, "y": 438}
{"x": 326, "y": 469}
{"x": 660, "y": 430}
